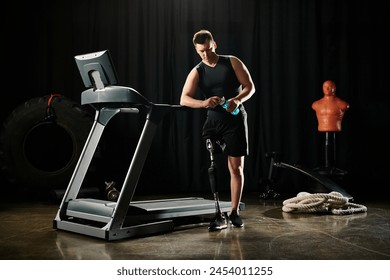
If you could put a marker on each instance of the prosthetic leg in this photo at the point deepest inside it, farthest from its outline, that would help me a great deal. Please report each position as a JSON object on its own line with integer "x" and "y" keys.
{"x": 219, "y": 222}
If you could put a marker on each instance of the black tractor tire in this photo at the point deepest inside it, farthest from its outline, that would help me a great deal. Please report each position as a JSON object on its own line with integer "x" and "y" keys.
{"x": 41, "y": 141}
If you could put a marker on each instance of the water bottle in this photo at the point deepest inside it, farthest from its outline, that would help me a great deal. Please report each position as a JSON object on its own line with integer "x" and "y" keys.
{"x": 224, "y": 103}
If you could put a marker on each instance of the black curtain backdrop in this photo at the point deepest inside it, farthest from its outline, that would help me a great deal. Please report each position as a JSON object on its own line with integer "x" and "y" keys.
{"x": 290, "y": 48}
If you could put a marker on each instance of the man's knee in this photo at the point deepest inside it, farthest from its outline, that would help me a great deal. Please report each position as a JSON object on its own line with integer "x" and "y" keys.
{"x": 215, "y": 146}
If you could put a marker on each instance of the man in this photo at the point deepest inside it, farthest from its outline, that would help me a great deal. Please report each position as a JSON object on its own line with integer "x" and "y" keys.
{"x": 222, "y": 76}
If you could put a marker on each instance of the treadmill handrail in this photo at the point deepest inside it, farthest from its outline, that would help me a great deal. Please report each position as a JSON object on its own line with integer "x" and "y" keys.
{"x": 113, "y": 95}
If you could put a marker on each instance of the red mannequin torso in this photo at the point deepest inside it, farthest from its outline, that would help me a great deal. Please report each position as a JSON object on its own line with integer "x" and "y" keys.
{"x": 330, "y": 109}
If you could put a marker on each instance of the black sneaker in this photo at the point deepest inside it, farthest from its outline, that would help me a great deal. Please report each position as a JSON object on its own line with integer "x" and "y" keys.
{"x": 235, "y": 219}
{"x": 218, "y": 223}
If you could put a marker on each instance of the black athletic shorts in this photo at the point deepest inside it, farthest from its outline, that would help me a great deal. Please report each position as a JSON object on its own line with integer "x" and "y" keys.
{"x": 230, "y": 130}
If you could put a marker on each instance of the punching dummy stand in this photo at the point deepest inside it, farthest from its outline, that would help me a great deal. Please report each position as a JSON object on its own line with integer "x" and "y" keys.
{"x": 329, "y": 169}
{"x": 123, "y": 218}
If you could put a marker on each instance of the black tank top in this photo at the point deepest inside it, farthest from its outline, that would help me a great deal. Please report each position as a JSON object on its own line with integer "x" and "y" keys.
{"x": 219, "y": 80}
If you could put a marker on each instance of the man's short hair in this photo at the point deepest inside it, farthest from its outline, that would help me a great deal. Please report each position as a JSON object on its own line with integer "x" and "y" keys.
{"x": 203, "y": 36}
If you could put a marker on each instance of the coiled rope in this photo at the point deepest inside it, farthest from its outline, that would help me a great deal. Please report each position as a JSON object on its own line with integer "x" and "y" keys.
{"x": 333, "y": 202}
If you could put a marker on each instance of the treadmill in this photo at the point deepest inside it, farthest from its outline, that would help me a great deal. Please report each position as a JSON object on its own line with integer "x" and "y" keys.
{"x": 123, "y": 218}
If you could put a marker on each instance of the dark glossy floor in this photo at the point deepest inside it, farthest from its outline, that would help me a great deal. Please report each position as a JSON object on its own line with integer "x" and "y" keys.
{"x": 26, "y": 233}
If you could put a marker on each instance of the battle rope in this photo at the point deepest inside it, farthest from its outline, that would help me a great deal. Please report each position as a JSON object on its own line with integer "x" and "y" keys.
{"x": 333, "y": 202}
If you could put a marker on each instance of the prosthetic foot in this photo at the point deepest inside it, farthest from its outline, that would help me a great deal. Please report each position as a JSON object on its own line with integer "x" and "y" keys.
{"x": 218, "y": 222}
